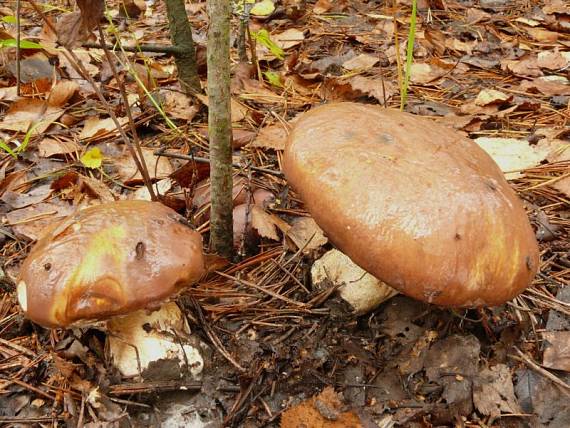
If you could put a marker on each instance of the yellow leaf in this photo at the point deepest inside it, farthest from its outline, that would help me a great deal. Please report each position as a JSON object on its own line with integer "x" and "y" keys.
{"x": 263, "y": 8}
{"x": 92, "y": 158}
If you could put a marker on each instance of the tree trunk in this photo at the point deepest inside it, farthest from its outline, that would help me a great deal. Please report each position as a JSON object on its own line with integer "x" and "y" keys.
{"x": 181, "y": 36}
{"x": 219, "y": 127}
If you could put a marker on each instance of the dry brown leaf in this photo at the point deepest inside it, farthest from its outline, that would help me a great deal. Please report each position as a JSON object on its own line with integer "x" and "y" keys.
{"x": 18, "y": 200}
{"x": 542, "y": 35}
{"x": 31, "y": 222}
{"x": 324, "y": 411}
{"x": 492, "y": 96}
{"x": 178, "y": 105}
{"x": 553, "y": 60}
{"x": 563, "y": 186}
{"x": 271, "y": 137}
{"x": 548, "y": 85}
{"x": 50, "y": 147}
{"x": 361, "y": 62}
{"x": 95, "y": 126}
{"x": 556, "y": 350}
{"x": 322, "y": 6}
{"x": 512, "y": 155}
{"x": 306, "y": 234}
{"x": 159, "y": 167}
{"x": 525, "y": 67}
{"x": 424, "y": 73}
{"x": 265, "y": 223}
{"x": 96, "y": 189}
{"x": 62, "y": 92}
{"x": 288, "y": 38}
{"x": 160, "y": 188}
{"x": 493, "y": 392}
{"x": 30, "y": 113}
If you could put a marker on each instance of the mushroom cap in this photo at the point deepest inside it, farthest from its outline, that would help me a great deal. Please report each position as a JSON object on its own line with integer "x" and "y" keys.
{"x": 109, "y": 260}
{"x": 415, "y": 204}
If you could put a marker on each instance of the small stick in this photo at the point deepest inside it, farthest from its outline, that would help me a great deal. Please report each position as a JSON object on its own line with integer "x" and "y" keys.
{"x": 206, "y": 160}
{"x": 565, "y": 388}
{"x": 164, "y": 49}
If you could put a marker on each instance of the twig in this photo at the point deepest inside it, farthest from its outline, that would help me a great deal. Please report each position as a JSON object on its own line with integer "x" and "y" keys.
{"x": 215, "y": 340}
{"x": 161, "y": 152}
{"x": 79, "y": 68}
{"x": 537, "y": 368}
{"x": 18, "y": 48}
{"x": 139, "y": 161}
{"x": 164, "y": 49}
{"x": 263, "y": 290}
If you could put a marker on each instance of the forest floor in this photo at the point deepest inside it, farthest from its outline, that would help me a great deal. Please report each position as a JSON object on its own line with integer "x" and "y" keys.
{"x": 493, "y": 70}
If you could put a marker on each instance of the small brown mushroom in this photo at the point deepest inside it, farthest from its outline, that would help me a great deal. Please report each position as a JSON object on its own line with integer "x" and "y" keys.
{"x": 108, "y": 261}
{"x": 415, "y": 204}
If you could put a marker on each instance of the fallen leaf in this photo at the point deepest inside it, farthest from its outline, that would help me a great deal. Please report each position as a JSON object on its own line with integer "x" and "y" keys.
{"x": 547, "y": 85}
{"x": 424, "y": 73}
{"x": 95, "y": 126}
{"x": 306, "y": 234}
{"x": 271, "y": 137}
{"x": 93, "y": 158}
{"x": 492, "y": 96}
{"x": 160, "y": 188}
{"x": 20, "y": 200}
{"x": 512, "y": 155}
{"x": 553, "y": 60}
{"x": 51, "y": 147}
{"x": 556, "y": 350}
{"x": 62, "y": 92}
{"x": 159, "y": 167}
{"x": 493, "y": 392}
{"x": 288, "y": 38}
{"x": 264, "y": 223}
{"x": 30, "y": 114}
{"x": 361, "y": 62}
{"x": 263, "y": 8}
{"x": 324, "y": 411}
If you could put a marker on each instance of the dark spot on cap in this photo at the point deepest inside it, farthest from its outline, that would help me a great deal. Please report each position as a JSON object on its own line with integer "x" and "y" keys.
{"x": 47, "y": 266}
{"x": 140, "y": 248}
{"x": 529, "y": 263}
{"x": 491, "y": 185}
{"x": 457, "y": 236}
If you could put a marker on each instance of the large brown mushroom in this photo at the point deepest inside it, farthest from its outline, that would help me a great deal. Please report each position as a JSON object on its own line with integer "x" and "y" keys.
{"x": 415, "y": 204}
{"x": 108, "y": 261}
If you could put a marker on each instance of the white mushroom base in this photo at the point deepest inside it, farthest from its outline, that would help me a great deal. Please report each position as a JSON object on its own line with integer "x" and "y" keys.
{"x": 154, "y": 336}
{"x": 361, "y": 291}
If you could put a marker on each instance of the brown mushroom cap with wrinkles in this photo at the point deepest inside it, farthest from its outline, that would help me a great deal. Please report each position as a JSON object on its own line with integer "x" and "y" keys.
{"x": 414, "y": 203}
{"x": 109, "y": 260}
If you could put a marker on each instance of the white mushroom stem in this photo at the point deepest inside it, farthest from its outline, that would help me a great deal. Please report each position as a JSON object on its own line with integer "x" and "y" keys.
{"x": 359, "y": 289}
{"x": 143, "y": 337}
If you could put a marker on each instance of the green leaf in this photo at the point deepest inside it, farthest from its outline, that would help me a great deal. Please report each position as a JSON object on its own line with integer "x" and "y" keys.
{"x": 7, "y": 149}
{"x": 263, "y": 8}
{"x": 24, "y": 44}
{"x": 273, "y": 78}
{"x": 409, "y": 57}
{"x": 10, "y": 19}
{"x": 262, "y": 36}
{"x": 93, "y": 158}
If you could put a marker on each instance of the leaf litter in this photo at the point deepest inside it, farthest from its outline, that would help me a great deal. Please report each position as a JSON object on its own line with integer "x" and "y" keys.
{"x": 495, "y": 70}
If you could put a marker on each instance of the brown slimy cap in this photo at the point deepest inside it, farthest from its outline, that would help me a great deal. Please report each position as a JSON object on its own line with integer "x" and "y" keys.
{"x": 109, "y": 260}
{"x": 414, "y": 203}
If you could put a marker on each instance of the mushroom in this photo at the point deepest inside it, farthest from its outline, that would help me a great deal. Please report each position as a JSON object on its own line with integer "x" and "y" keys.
{"x": 413, "y": 203}
{"x": 112, "y": 262}
{"x": 359, "y": 289}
